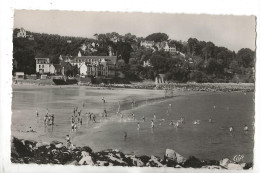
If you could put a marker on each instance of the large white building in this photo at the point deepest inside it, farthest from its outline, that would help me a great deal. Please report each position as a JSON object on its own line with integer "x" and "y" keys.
{"x": 42, "y": 65}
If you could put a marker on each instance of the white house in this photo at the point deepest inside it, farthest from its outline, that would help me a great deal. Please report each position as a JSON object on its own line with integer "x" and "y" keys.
{"x": 42, "y": 65}
{"x": 147, "y": 44}
{"x": 21, "y": 33}
{"x": 52, "y": 69}
{"x": 167, "y": 48}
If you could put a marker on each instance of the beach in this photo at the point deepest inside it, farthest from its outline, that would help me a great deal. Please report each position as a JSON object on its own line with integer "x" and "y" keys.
{"x": 108, "y": 132}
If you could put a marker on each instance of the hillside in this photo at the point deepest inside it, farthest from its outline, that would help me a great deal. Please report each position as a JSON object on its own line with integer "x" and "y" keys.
{"x": 203, "y": 61}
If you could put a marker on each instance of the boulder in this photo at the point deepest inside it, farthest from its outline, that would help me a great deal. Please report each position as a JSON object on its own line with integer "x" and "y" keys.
{"x": 86, "y": 159}
{"x": 174, "y": 156}
{"x": 193, "y": 162}
{"x": 42, "y": 144}
{"x": 18, "y": 149}
{"x": 59, "y": 145}
{"x": 224, "y": 162}
{"x": 154, "y": 162}
{"x": 234, "y": 166}
{"x": 248, "y": 166}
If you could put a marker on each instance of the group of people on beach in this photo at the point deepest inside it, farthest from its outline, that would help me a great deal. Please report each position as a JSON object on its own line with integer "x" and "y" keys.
{"x": 48, "y": 118}
{"x": 76, "y": 119}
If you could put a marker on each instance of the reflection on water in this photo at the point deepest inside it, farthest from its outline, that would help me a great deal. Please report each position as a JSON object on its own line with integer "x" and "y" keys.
{"x": 204, "y": 140}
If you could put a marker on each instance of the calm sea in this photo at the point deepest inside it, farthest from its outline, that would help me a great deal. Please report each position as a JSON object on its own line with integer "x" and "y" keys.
{"x": 205, "y": 140}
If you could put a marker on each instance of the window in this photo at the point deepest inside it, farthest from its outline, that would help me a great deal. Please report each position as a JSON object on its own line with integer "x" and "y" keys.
{"x": 39, "y": 66}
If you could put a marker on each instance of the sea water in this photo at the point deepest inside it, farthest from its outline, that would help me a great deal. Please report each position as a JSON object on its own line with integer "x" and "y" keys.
{"x": 204, "y": 141}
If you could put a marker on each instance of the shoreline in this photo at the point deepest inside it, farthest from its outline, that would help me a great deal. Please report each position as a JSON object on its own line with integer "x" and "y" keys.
{"x": 55, "y": 152}
{"x": 205, "y": 87}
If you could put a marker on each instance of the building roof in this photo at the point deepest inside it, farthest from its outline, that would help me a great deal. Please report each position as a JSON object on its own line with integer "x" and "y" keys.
{"x": 111, "y": 59}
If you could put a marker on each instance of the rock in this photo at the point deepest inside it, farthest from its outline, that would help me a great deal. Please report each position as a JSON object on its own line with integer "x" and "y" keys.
{"x": 145, "y": 159}
{"x": 55, "y": 142}
{"x": 193, "y": 162}
{"x": 178, "y": 166}
{"x": 154, "y": 162}
{"x": 86, "y": 159}
{"x": 42, "y": 144}
{"x": 224, "y": 162}
{"x": 136, "y": 161}
{"x": 18, "y": 149}
{"x": 234, "y": 166}
{"x": 59, "y": 145}
{"x": 212, "y": 167}
{"x": 72, "y": 163}
{"x": 248, "y": 166}
{"x": 102, "y": 163}
{"x": 174, "y": 156}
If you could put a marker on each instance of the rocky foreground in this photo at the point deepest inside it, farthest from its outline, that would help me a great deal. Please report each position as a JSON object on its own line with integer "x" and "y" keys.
{"x": 28, "y": 151}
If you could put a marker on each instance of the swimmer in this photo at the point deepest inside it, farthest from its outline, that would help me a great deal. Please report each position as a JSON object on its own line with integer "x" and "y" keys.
{"x": 214, "y": 107}
{"x": 30, "y": 129}
{"x": 154, "y": 117}
{"x": 245, "y": 128}
{"x": 72, "y": 127}
{"x": 177, "y": 124}
{"x": 125, "y": 136}
{"x": 138, "y": 126}
{"x": 133, "y": 115}
{"x": 152, "y": 124}
{"x": 231, "y": 129}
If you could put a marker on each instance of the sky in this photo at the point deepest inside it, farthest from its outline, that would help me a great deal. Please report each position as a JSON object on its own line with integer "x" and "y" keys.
{"x": 233, "y": 32}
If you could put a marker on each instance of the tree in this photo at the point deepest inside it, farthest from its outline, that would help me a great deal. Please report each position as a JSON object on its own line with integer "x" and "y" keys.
{"x": 157, "y": 37}
{"x": 246, "y": 57}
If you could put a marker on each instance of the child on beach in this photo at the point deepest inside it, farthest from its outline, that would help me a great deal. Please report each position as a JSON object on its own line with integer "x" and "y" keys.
{"x": 68, "y": 141}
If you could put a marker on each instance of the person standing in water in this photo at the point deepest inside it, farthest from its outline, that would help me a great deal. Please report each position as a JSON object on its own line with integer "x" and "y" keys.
{"x": 125, "y": 136}
{"x": 103, "y": 99}
{"x": 138, "y": 126}
{"x": 154, "y": 117}
{"x": 245, "y": 128}
{"x": 152, "y": 124}
{"x": 231, "y": 129}
{"x": 143, "y": 118}
{"x": 133, "y": 115}
{"x": 37, "y": 114}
